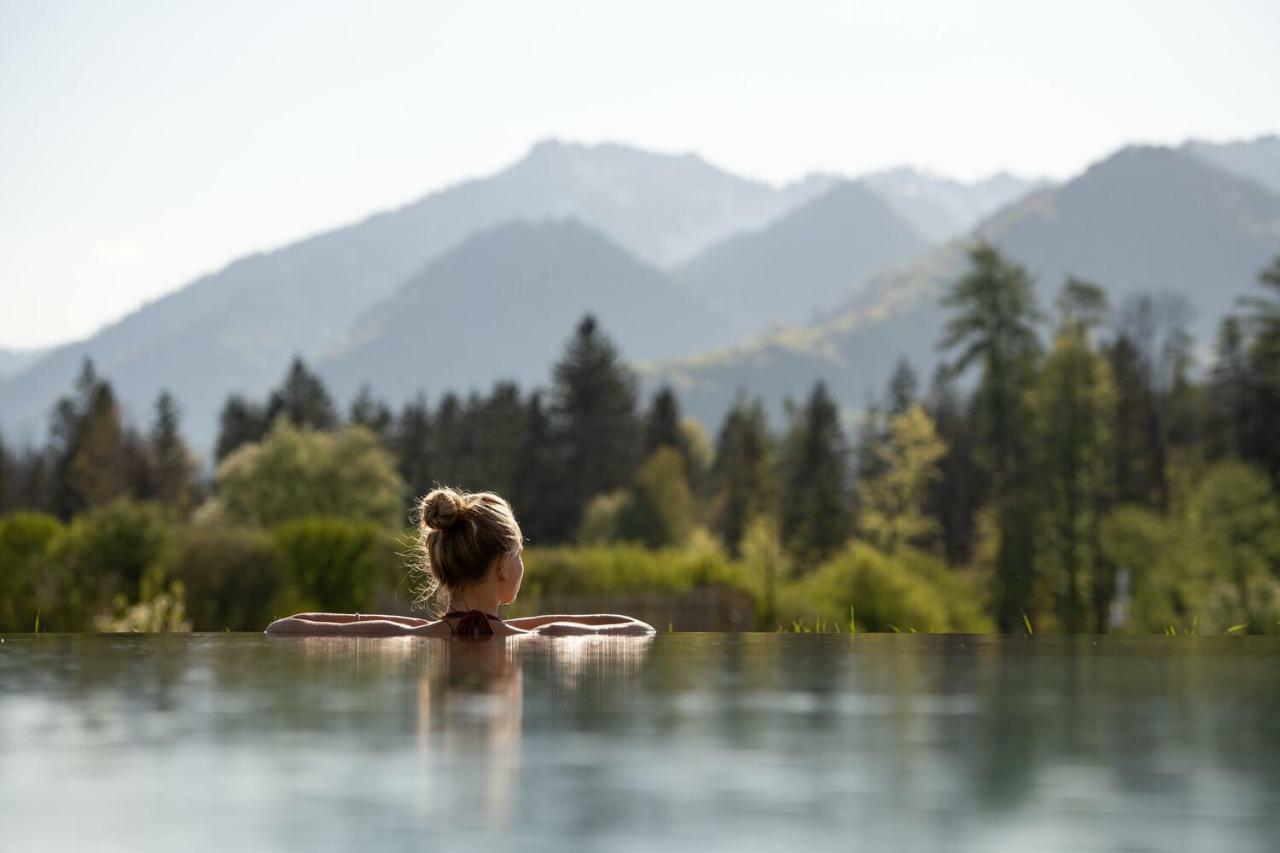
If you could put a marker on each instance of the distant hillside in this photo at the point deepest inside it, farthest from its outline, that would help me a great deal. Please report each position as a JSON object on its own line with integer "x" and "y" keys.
{"x": 803, "y": 264}
{"x": 1258, "y": 160}
{"x": 941, "y": 208}
{"x": 235, "y": 329}
{"x": 1144, "y": 219}
{"x": 14, "y": 361}
{"x": 503, "y": 304}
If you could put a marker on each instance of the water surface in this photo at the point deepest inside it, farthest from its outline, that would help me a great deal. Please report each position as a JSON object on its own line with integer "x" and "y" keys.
{"x": 686, "y": 741}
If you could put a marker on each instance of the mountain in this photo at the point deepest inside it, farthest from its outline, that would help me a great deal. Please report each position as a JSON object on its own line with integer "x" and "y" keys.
{"x": 804, "y": 263}
{"x": 13, "y": 361}
{"x": 1258, "y": 159}
{"x": 503, "y": 304}
{"x": 236, "y": 329}
{"x": 1144, "y": 219}
{"x": 941, "y": 208}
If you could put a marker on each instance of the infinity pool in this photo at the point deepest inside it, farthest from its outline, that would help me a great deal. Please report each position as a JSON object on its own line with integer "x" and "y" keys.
{"x": 683, "y": 742}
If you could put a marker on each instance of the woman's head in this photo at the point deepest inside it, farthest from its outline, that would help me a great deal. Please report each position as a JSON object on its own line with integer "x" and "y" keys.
{"x": 468, "y": 539}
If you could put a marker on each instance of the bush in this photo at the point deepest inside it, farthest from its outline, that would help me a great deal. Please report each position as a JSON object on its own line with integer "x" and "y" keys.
{"x": 298, "y": 473}
{"x": 27, "y": 584}
{"x": 625, "y": 568}
{"x": 334, "y": 563}
{"x": 885, "y": 593}
{"x": 101, "y": 555}
{"x": 234, "y": 577}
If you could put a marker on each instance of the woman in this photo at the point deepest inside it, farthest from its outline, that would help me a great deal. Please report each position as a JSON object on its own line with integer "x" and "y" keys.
{"x": 471, "y": 561}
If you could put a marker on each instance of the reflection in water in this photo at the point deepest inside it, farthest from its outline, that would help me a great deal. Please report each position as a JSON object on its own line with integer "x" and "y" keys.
{"x": 722, "y": 742}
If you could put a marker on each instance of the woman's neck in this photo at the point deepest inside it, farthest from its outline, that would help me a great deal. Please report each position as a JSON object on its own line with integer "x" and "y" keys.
{"x": 475, "y": 599}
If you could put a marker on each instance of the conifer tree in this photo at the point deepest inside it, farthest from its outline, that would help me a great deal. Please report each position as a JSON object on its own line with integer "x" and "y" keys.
{"x": 993, "y": 327}
{"x": 742, "y": 474}
{"x": 539, "y": 477}
{"x": 955, "y": 496}
{"x": 904, "y": 386}
{"x": 302, "y": 398}
{"x": 1264, "y": 358}
{"x": 816, "y": 507}
{"x": 371, "y": 413}
{"x": 1231, "y": 392}
{"x": 241, "y": 422}
{"x": 172, "y": 466}
{"x": 1073, "y": 399}
{"x": 411, "y": 442}
{"x": 593, "y": 412}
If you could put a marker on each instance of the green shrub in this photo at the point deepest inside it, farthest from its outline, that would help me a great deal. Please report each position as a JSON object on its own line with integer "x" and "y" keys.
{"x": 334, "y": 564}
{"x": 103, "y": 554}
{"x": 27, "y": 582}
{"x": 234, "y": 577}
{"x": 884, "y": 593}
{"x": 626, "y": 568}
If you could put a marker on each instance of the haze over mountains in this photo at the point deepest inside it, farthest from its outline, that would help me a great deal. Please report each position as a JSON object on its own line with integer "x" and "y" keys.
{"x": 1145, "y": 219}
{"x": 485, "y": 280}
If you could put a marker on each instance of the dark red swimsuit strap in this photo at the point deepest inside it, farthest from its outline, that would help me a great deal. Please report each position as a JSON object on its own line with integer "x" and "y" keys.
{"x": 471, "y": 623}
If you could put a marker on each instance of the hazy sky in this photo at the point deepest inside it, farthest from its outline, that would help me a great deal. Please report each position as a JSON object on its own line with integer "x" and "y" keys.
{"x": 145, "y": 143}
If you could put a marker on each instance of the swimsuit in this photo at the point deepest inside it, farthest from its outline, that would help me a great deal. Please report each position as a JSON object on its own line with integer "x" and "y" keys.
{"x": 472, "y": 624}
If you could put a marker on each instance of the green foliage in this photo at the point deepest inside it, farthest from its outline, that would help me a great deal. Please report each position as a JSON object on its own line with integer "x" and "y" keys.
{"x": 594, "y": 423}
{"x": 892, "y": 504}
{"x": 103, "y": 554}
{"x": 163, "y": 612}
{"x": 623, "y": 568}
{"x": 1216, "y": 564}
{"x": 743, "y": 480}
{"x": 1072, "y": 402}
{"x": 26, "y": 581}
{"x": 816, "y": 507}
{"x": 886, "y": 593}
{"x": 766, "y": 566}
{"x": 171, "y": 465}
{"x": 303, "y": 399}
{"x": 333, "y": 564}
{"x": 297, "y": 472}
{"x": 234, "y": 577}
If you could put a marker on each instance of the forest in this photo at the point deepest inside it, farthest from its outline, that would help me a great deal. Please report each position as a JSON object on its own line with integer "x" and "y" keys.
{"x": 1079, "y": 467}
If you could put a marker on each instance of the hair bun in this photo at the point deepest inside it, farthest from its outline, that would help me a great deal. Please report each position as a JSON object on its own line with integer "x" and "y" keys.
{"x": 442, "y": 508}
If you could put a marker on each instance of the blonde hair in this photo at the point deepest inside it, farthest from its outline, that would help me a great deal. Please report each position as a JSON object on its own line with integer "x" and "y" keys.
{"x": 461, "y": 534}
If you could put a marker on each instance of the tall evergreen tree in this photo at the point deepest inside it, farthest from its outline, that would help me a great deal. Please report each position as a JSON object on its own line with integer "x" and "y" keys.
{"x": 1264, "y": 359}
{"x": 8, "y": 476}
{"x": 904, "y": 387}
{"x": 539, "y": 476}
{"x": 1231, "y": 393}
{"x": 303, "y": 398}
{"x": 954, "y": 497}
{"x": 993, "y": 327}
{"x": 816, "y": 504}
{"x": 241, "y": 422}
{"x": 498, "y": 428}
{"x": 411, "y": 442}
{"x": 593, "y": 411}
{"x": 371, "y": 413}
{"x": 172, "y": 466}
{"x": 1074, "y": 398}
{"x": 742, "y": 475}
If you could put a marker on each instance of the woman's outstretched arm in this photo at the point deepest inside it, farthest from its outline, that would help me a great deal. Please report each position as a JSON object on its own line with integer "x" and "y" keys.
{"x": 630, "y": 628}
{"x": 530, "y": 622}
{"x": 299, "y": 626}
{"x": 411, "y": 621}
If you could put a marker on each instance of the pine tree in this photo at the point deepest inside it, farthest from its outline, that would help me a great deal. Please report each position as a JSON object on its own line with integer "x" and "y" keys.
{"x": 303, "y": 399}
{"x": 8, "y": 486}
{"x": 498, "y": 428}
{"x": 1231, "y": 390}
{"x": 1073, "y": 398}
{"x": 993, "y": 327}
{"x": 241, "y": 422}
{"x": 955, "y": 496}
{"x": 373, "y": 414}
{"x": 1264, "y": 359}
{"x": 593, "y": 412}
{"x": 412, "y": 441}
{"x": 172, "y": 466}
{"x": 742, "y": 475}
{"x": 904, "y": 386}
{"x": 536, "y": 496}
{"x": 816, "y": 516}
{"x": 662, "y": 422}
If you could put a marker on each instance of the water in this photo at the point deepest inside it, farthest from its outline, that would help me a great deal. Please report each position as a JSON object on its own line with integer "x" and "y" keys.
{"x": 687, "y": 741}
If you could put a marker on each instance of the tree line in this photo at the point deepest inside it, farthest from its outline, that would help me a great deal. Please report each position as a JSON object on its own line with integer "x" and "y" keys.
{"x": 1064, "y": 476}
